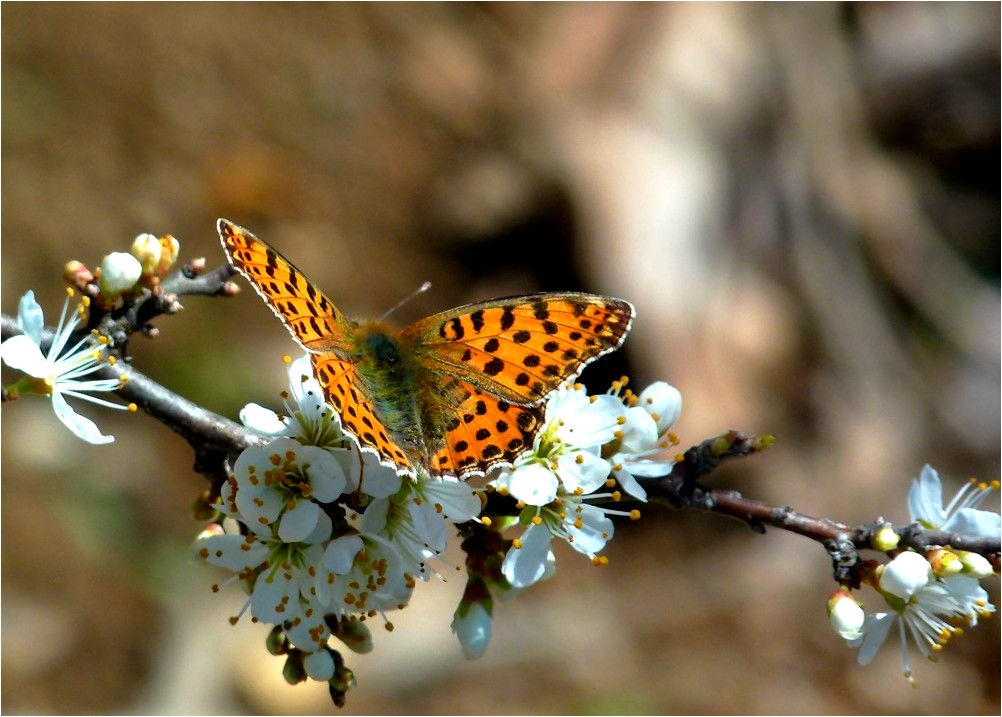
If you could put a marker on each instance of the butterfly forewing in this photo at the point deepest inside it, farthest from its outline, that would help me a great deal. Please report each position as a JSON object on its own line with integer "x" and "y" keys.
{"x": 523, "y": 347}
{"x": 307, "y": 313}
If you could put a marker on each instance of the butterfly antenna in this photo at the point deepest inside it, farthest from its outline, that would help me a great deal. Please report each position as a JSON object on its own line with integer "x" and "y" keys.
{"x": 420, "y": 290}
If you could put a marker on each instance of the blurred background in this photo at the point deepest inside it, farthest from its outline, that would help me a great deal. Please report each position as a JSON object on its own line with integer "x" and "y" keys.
{"x": 801, "y": 201}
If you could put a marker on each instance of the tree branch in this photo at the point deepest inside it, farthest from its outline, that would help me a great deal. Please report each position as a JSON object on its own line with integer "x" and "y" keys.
{"x": 682, "y": 489}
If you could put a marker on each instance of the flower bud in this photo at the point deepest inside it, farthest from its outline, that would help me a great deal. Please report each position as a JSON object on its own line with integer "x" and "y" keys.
{"x": 976, "y": 566}
{"x": 293, "y": 671}
{"x": 147, "y": 249}
{"x": 472, "y": 625}
{"x": 845, "y": 615}
{"x": 945, "y": 563}
{"x": 77, "y": 274}
{"x": 354, "y": 634}
{"x": 276, "y": 642}
{"x": 319, "y": 665}
{"x": 119, "y": 273}
{"x": 168, "y": 255}
{"x": 885, "y": 539}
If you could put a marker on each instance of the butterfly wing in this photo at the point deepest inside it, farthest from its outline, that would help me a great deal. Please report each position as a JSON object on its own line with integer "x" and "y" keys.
{"x": 309, "y": 315}
{"x": 523, "y": 347}
{"x": 507, "y": 355}
{"x": 345, "y": 392}
{"x": 482, "y": 432}
{"x": 321, "y": 329}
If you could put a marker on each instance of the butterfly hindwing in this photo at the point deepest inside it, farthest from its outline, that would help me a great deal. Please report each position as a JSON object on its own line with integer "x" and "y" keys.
{"x": 344, "y": 391}
{"x": 484, "y": 431}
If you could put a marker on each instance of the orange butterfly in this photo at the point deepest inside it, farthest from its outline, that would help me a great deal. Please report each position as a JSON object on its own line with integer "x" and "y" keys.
{"x": 456, "y": 393}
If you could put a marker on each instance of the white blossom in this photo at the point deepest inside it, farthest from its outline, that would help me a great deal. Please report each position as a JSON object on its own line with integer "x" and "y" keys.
{"x": 60, "y": 373}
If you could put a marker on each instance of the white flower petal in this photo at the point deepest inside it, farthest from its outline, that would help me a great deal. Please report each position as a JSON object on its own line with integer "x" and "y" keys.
{"x": 457, "y": 499}
{"x": 232, "y": 552}
{"x": 308, "y": 632}
{"x": 273, "y": 592}
{"x": 374, "y": 478}
{"x": 907, "y": 573}
{"x": 648, "y": 468}
{"x": 974, "y": 522}
{"x": 374, "y": 518}
{"x": 298, "y": 521}
{"x": 640, "y": 432}
{"x": 262, "y": 420}
{"x": 84, "y": 428}
{"x": 526, "y": 565}
{"x": 321, "y": 532}
{"x": 533, "y": 484}
{"x": 628, "y": 483}
{"x": 581, "y": 469}
{"x": 259, "y": 506}
{"x": 847, "y": 618}
{"x": 431, "y": 527}
{"x": 327, "y": 478}
{"x": 925, "y": 498}
{"x": 23, "y": 354}
{"x": 340, "y": 553}
{"x": 664, "y": 401}
{"x": 593, "y": 425}
{"x": 595, "y": 532}
{"x": 30, "y": 318}
{"x": 875, "y": 631}
{"x": 119, "y": 272}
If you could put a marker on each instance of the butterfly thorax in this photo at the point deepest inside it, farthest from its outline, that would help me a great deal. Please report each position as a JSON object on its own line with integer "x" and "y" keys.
{"x": 403, "y": 393}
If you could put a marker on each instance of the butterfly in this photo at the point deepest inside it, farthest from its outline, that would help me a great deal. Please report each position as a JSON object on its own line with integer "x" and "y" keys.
{"x": 457, "y": 393}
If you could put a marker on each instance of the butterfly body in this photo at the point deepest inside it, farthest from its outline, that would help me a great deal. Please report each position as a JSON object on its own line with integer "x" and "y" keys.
{"x": 403, "y": 394}
{"x": 456, "y": 393}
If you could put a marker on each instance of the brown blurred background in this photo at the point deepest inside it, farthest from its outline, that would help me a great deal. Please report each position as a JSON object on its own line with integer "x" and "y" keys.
{"x": 801, "y": 201}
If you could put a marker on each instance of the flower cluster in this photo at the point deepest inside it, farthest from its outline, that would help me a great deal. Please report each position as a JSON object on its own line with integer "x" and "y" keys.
{"x": 927, "y": 598}
{"x": 585, "y": 440}
{"x": 323, "y": 537}
{"x": 329, "y": 536}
